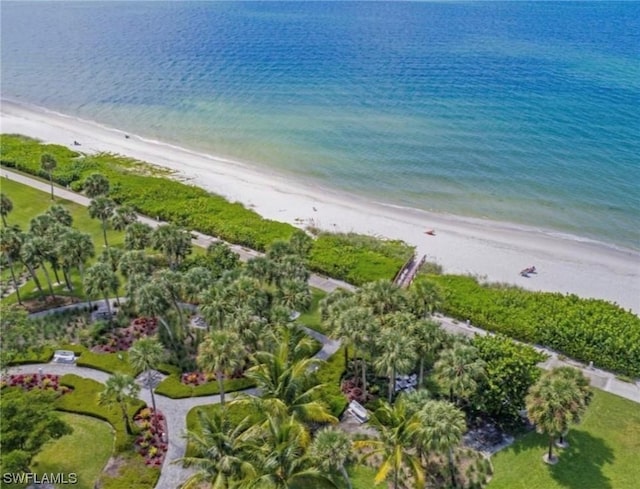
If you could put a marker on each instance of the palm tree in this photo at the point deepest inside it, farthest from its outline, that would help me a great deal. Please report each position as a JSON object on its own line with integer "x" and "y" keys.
{"x": 29, "y": 257}
{"x": 102, "y": 208}
{"x": 137, "y": 236}
{"x": 331, "y": 449}
{"x": 443, "y": 425}
{"x": 294, "y": 294}
{"x": 173, "y": 241}
{"x": 101, "y": 279}
{"x": 280, "y": 448}
{"x": 429, "y": 339}
{"x": 145, "y": 355}
{"x": 197, "y": 280}
{"x": 215, "y": 305}
{"x": 221, "y": 353}
{"x": 394, "y": 444}
{"x": 425, "y": 298}
{"x": 123, "y": 216}
{"x": 60, "y": 215}
{"x": 458, "y": 371}
{"x": 6, "y": 206}
{"x": 96, "y": 185}
{"x": 122, "y": 390}
{"x": 287, "y": 385}
{"x": 396, "y": 354}
{"x": 77, "y": 248}
{"x": 584, "y": 386}
{"x": 382, "y": 296}
{"x": 151, "y": 301}
{"x": 170, "y": 283}
{"x": 220, "y": 453}
{"x": 34, "y": 253}
{"x": 48, "y": 163}
{"x": 10, "y": 244}
{"x": 134, "y": 262}
{"x": 554, "y": 402}
{"x": 40, "y": 225}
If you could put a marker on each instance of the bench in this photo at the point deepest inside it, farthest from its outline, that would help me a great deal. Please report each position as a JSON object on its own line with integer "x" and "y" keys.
{"x": 358, "y": 411}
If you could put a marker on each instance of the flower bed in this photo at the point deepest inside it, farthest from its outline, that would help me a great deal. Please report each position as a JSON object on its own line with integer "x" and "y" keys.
{"x": 45, "y": 382}
{"x": 196, "y": 378}
{"x": 122, "y": 339}
{"x": 151, "y": 443}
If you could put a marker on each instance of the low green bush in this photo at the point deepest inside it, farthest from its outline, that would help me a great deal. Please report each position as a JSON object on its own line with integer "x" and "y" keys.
{"x": 172, "y": 387}
{"x": 39, "y": 355}
{"x": 330, "y": 375}
{"x": 84, "y": 400}
{"x": 589, "y": 330}
{"x": 357, "y": 259}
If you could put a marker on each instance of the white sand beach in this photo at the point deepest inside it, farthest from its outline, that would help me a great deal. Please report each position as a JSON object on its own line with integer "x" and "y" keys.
{"x": 495, "y": 251}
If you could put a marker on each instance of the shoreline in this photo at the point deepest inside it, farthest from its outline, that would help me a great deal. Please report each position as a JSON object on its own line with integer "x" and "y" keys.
{"x": 493, "y": 250}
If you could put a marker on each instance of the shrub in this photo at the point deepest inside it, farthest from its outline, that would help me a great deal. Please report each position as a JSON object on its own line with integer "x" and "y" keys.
{"x": 172, "y": 387}
{"x": 584, "y": 329}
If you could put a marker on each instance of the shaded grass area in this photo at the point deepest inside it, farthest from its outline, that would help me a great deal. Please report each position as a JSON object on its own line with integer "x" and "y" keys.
{"x": 70, "y": 454}
{"x": 27, "y": 204}
{"x": 311, "y": 318}
{"x": 602, "y": 454}
{"x": 172, "y": 387}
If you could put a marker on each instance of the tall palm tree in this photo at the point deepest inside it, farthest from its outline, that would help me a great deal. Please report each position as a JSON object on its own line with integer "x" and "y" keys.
{"x": 294, "y": 294}
{"x": 34, "y": 253}
{"x": 215, "y": 305}
{"x": 394, "y": 444}
{"x": 121, "y": 390}
{"x": 151, "y": 301}
{"x": 10, "y": 244}
{"x": 134, "y": 262}
{"x": 145, "y": 355}
{"x": 425, "y": 297}
{"x": 197, "y": 280}
{"x": 171, "y": 285}
{"x": 96, "y": 185}
{"x": 280, "y": 449}
{"x": 6, "y": 206}
{"x": 29, "y": 257}
{"x": 443, "y": 425}
{"x": 459, "y": 370}
{"x": 40, "y": 225}
{"x": 77, "y": 248}
{"x": 100, "y": 279}
{"x": 60, "y": 215}
{"x": 173, "y": 241}
{"x": 137, "y": 236}
{"x": 48, "y": 163}
{"x": 396, "y": 354}
{"x": 382, "y": 296}
{"x": 102, "y": 208}
{"x": 123, "y": 216}
{"x": 261, "y": 268}
{"x": 429, "y": 339}
{"x": 331, "y": 449}
{"x": 221, "y": 353}
{"x": 555, "y": 401}
{"x": 220, "y": 453}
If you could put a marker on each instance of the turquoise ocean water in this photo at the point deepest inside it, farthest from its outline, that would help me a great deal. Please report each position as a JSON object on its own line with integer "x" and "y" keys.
{"x": 527, "y": 112}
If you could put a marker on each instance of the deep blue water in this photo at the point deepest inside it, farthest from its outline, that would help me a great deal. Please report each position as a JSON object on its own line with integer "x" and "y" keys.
{"x": 520, "y": 111}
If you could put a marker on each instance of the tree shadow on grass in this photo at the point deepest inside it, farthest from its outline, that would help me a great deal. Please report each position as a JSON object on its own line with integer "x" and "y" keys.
{"x": 580, "y": 465}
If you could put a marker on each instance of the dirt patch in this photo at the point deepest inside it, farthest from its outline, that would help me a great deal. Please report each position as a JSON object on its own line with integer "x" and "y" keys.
{"x": 38, "y": 305}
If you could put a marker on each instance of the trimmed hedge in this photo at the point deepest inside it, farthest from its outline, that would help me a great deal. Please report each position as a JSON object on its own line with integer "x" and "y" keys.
{"x": 84, "y": 400}
{"x": 589, "y": 330}
{"x": 330, "y": 374}
{"x": 172, "y": 387}
{"x": 41, "y": 355}
{"x": 106, "y": 362}
{"x": 355, "y": 258}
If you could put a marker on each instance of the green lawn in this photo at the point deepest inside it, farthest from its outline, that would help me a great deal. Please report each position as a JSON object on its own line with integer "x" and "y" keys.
{"x": 604, "y": 452}
{"x": 84, "y": 452}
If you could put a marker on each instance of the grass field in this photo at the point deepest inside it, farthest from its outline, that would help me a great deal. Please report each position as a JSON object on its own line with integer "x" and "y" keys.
{"x": 311, "y": 318}
{"x": 604, "y": 452}
{"x": 84, "y": 452}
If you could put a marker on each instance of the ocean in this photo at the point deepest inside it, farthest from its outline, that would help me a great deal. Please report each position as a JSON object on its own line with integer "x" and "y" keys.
{"x": 526, "y": 112}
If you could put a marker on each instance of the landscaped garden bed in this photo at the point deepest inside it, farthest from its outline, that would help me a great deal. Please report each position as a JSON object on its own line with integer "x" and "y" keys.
{"x": 151, "y": 443}
{"x": 122, "y": 339}
{"x": 46, "y": 382}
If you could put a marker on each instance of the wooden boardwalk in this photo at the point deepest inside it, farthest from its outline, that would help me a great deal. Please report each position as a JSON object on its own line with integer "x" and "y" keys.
{"x": 408, "y": 272}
